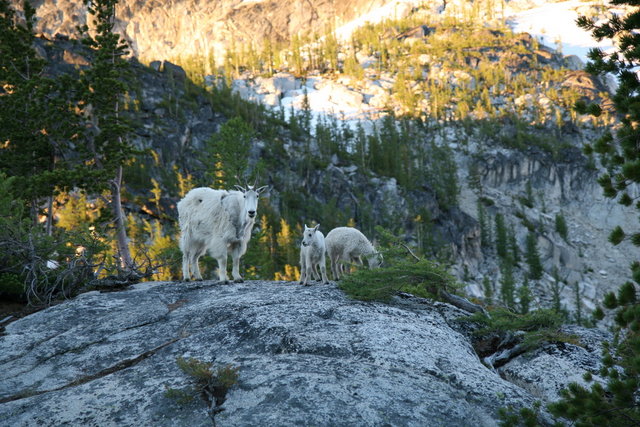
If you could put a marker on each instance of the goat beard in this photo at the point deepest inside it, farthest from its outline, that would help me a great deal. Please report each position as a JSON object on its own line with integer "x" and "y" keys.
{"x": 242, "y": 230}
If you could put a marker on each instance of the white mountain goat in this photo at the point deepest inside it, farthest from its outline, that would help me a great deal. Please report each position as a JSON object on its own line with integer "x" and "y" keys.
{"x": 218, "y": 221}
{"x": 346, "y": 244}
{"x": 312, "y": 253}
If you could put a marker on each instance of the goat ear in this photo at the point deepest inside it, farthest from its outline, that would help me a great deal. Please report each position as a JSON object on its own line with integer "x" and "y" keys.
{"x": 239, "y": 188}
{"x": 316, "y": 227}
{"x": 262, "y": 189}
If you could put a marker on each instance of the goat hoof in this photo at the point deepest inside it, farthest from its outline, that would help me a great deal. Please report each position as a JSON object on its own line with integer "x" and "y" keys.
{"x": 238, "y": 281}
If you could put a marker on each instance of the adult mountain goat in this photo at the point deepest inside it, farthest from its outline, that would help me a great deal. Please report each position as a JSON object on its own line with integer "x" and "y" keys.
{"x": 218, "y": 221}
{"x": 346, "y": 244}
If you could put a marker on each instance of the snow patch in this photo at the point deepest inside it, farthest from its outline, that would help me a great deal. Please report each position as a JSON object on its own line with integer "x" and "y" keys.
{"x": 554, "y": 24}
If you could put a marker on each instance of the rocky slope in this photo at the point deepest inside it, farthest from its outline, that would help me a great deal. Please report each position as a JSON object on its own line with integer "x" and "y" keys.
{"x": 306, "y": 356}
{"x": 562, "y": 186}
{"x": 171, "y": 29}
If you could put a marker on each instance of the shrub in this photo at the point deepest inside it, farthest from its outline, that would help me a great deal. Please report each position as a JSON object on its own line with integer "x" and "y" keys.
{"x": 539, "y": 326}
{"x": 423, "y": 278}
{"x": 402, "y": 271}
{"x": 211, "y": 386}
{"x": 36, "y": 267}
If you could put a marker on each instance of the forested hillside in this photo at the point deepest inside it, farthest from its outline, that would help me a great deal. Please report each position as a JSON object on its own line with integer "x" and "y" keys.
{"x": 439, "y": 97}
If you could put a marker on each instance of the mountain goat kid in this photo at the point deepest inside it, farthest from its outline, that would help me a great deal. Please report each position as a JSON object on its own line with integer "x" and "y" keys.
{"x": 346, "y": 244}
{"x": 218, "y": 221}
{"x": 312, "y": 253}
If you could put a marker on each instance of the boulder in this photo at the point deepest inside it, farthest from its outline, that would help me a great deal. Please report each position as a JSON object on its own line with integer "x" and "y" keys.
{"x": 176, "y": 71}
{"x": 306, "y": 356}
{"x": 279, "y": 83}
{"x": 547, "y": 370}
{"x": 573, "y": 62}
{"x": 73, "y": 58}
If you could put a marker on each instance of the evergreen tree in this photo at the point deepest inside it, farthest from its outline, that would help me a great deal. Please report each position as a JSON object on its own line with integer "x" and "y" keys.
{"x": 103, "y": 86}
{"x": 532, "y": 256}
{"x": 578, "y": 296}
{"x": 524, "y": 295}
{"x": 227, "y": 153}
{"x": 442, "y": 174}
{"x": 484, "y": 225}
{"x": 362, "y": 155}
{"x": 507, "y": 284}
{"x": 513, "y": 245}
{"x": 474, "y": 179}
{"x": 288, "y": 252}
{"x": 561, "y": 226}
{"x": 528, "y": 199}
{"x": 616, "y": 402}
{"x": 37, "y": 122}
{"x": 501, "y": 236}
{"x": 488, "y": 290}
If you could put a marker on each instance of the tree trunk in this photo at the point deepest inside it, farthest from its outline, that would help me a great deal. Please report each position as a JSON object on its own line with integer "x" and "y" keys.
{"x": 126, "y": 262}
{"x": 49, "y": 227}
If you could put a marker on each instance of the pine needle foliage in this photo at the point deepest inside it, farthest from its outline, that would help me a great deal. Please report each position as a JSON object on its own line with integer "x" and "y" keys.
{"x": 527, "y": 417}
{"x": 539, "y": 326}
{"x": 616, "y": 402}
{"x": 421, "y": 278}
{"x": 561, "y": 226}
{"x": 38, "y": 126}
{"x": 402, "y": 271}
{"x": 532, "y": 256}
{"x": 211, "y": 386}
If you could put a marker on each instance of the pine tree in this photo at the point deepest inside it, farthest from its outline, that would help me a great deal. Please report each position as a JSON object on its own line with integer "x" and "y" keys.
{"x": 37, "y": 122}
{"x": 578, "y": 296}
{"x": 507, "y": 284}
{"x": 488, "y": 290}
{"x": 103, "y": 85}
{"x": 227, "y": 153}
{"x": 524, "y": 295}
{"x": 484, "y": 225}
{"x": 532, "y": 256}
{"x": 561, "y": 226}
{"x": 513, "y": 245}
{"x": 615, "y": 403}
{"x": 501, "y": 236}
{"x": 287, "y": 253}
{"x": 528, "y": 200}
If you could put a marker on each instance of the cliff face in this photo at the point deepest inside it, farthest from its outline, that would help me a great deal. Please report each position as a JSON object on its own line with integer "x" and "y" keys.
{"x": 306, "y": 356}
{"x": 586, "y": 264}
{"x": 161, "y": 29}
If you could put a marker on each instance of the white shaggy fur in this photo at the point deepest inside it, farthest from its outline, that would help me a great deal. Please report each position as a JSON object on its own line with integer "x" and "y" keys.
{"x": 348, "y": 245}
{"x": 312, "y": 253}
{"x": 218, "y": 221}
